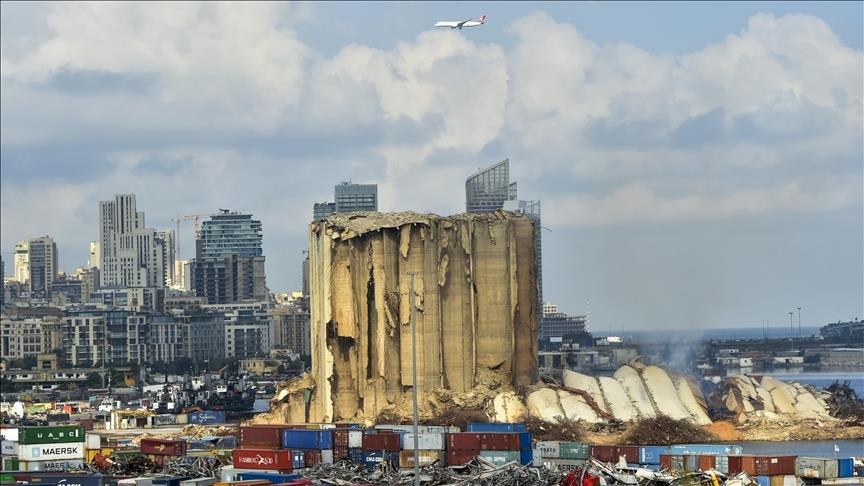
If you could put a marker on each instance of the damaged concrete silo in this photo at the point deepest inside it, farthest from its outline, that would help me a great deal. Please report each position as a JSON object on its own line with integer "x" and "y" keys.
{"x": 475, "y": 301}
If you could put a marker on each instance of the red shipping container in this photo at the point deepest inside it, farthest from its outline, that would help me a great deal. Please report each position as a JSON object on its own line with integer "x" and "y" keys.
{"x": 159, "y": 447}
{"x": 464, "y": 441}
{"x": 459, "y": 457}
{"x": 499, "y": 442}
{"x": 262, "y": 459}
{"x": 340, "y": 438}
{"x": 340, "y": 454}
{"x": 605, "y": 453}
{"x": 381, "y": 442}
{"x": 313, "y": 457}
{"x": 739, "y": 464}
{"x": 775, "y": 465}
{"x": 707, "y": 462}
{"x": 262, "y": 436}
{"x": 630, "y": 453}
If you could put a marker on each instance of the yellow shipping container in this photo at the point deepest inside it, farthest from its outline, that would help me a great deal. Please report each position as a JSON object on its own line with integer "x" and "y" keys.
{"x": 90, "y": 454}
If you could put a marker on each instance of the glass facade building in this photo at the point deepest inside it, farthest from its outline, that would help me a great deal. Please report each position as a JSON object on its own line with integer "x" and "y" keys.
{"x": 229, "y": 263}
{"x": 487, "y": 189}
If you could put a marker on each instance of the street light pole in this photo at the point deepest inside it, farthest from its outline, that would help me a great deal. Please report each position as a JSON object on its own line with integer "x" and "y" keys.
{"x": 799, "y": 321}
{"x": 414, "y": 378}
{"x": 791, "y": 330}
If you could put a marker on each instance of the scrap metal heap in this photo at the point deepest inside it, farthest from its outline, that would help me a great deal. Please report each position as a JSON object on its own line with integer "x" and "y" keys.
{"x": 475, "y": 298}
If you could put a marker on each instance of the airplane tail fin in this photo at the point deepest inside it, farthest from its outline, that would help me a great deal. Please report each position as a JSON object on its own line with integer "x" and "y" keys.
{"x": 482, "y": 19}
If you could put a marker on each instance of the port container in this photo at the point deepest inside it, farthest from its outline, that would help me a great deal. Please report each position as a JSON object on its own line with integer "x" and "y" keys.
{"x": 249, "y": 482}
{"x": 197, "y": 482}
{"x": 425, "y": 441}
{"x": 499, "y": 441}
{"x": 707, "y": 449}
{"x": 340, "y": 437}
{"x": 651, "y": 454}
{"x": 499, "y": 458}
{"x": 298, "y": 459}
{"x": 161, "y": 447}
{"x": 164, "y": 419}
{"x": 52, "y": 479}
{"x": 279, "y": 460}
{"x": 10, "y": 464}
{"x": 48, "y": 466}
{"x": 816, "y": 467}
{"x": 135, "y": 482}
{"x": 463, "y": 441}
{"x": 563, "y": 465}
{"x": 607, "y": 453}
{"x": 327, "y": 456}
{"x": 375, "y": 459}
{"x": 355, "y": 438}
{"x": 51, "y": 452}
{"x": 442, "y": 429}
{"x": 762, "y": 480}
{"x": 526, "y": 456}
{"x": 549, "y": 449}
{"x": 207, "y": 417}
{"x": 426, "y": 457}
{"x": 461, "y": 456}
{"x": 745, "y": 464}
{"x": 8, "y": 448}
{"x": 671, "y": 462}
{"x": 574, "y": 450}
{"x": 384, "y": 441}
{"x": 262, "y": 476}
{"x": 307, "y": 439}
{"x": 9, "y": 433}
{"x": 340, "y": 454}
{"x": 58, "y": 434}
{"x": 93, "y": 441}
{"x": 784, "y": 480}
{"x": 495, "y": 427}
{"x": 261, "y": 436}
{"x": 778, "y": 465}
{"x": 845, "y": 467}
{"x": 181, "y": 419}
{"x": 399, "y": 428}
{"x": 706, "y": 462}
{"x": 168, "y": 481}
{"x": 722, "y": 464}
{"x": 313, "y": 457}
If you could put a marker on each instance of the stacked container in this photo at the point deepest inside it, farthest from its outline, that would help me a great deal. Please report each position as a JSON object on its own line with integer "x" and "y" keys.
{"x": 379, "y": 447}
{"x": 430, "y": 448}
{"x": 51, "y": 448}
{"x": 564, "y": 456}
{"x": 316, "y": 444}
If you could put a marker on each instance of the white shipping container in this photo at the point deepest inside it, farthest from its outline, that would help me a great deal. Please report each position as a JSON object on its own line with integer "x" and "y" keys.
{"x": 536, "y": 458}
{"x": 49, "y": 465}
{"x": 327, "y": 456}
{"x": 563, "y": 465}
{"x": 198, "y": 482}
{"x": 135, "y": 482}
{"x": 425, "y": 441}
{"x": 9, "y": 434}
{"x": 355, "y": 439}
{"x": 401, "y": 428}
{"x": 9, "y": 448}
{"x": 441, "y": 429}
{"x": 551, "y": 449}
{"x": 51, "y": 452}
{"x": 816, "y": 467}
{"x": 93, "y": 441}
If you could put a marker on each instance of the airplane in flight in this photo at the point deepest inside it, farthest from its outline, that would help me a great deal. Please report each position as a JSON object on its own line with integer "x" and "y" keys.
{"x": 464, "y": 23}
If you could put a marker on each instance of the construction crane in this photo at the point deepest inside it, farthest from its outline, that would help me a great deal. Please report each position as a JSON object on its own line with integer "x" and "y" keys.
{"x": 196, "y": 218}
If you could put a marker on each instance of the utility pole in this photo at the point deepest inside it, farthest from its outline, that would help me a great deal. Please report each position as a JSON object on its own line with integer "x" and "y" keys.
{"x": 791, "y": 330}
{"x": 414, "y": 378}
{"x": 799, "y": 321}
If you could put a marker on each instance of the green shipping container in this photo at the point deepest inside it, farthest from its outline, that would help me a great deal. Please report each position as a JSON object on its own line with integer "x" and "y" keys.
{"x": 574, "y": 450}
{"x": 10, "y": 464}
{"x": 499, "y": 458}
{"x": 58, "y": 434}
{"x": 7, "y": 479}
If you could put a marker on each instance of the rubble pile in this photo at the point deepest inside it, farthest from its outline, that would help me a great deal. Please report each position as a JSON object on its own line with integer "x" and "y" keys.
{"x": 663, "y": 430}
{"x": 843, "y": 403}
{"x": 478, "y": 472}
{"x": 750, "y": 398}
{"x": 189, "y": 432}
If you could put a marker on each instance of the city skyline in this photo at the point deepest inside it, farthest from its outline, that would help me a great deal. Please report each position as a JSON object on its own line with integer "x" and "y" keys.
{"x": 693, "y": 173}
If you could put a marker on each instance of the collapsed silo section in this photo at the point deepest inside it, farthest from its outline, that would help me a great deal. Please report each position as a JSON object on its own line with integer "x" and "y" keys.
{"x": 475, "y": 300}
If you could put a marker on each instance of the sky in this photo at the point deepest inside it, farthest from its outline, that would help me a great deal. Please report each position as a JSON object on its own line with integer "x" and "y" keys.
{"x": 699, "y": 164}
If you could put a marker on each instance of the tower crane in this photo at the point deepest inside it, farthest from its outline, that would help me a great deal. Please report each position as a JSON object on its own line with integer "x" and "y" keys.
{"x": 196, "y": 219}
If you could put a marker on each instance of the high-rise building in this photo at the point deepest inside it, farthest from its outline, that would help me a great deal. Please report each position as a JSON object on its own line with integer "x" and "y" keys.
{"x": 348, "y": 198}
{"x": 93, "y": 261}
{"x": 21, "y": 262}
{"x": 131, "y": 254}
{"x": 166, "y": 243}
{"x": 487, "y": 189}
{"x": 43, "y": 263}
{"x": 229, "y": 263}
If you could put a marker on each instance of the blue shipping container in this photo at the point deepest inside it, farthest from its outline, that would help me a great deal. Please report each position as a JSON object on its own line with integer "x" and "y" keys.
{"x": 525, "y": 440}
{"x": 307, "y": 439}
{"x": 374, "y": 459}
{"x": 170, "y": 481}
{"x": 495, "y": 427}
{"x": 208, "y": 417}
{"x": 298, "y": 459}
{"x": 707, "y": 449}
{"x": 845, "y": 467}
{"x": 82, "y": 479}
{"x": 526, "y": 456}
{"x": 273, "y": 478}
{"x": 651, "y": 454}
{"x": 763, "y": 480}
